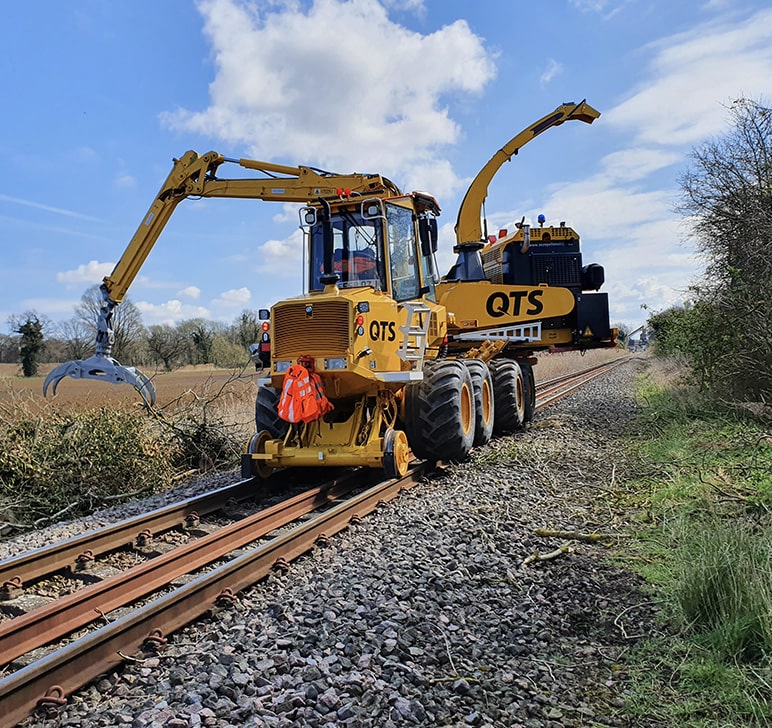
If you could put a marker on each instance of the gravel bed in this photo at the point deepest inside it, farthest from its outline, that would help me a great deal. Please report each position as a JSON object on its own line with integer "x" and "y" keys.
{"x": 425, "y": 614}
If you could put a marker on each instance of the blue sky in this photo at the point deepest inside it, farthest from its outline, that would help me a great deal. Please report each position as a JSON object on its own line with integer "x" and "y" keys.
{"x": 100, "y": 95}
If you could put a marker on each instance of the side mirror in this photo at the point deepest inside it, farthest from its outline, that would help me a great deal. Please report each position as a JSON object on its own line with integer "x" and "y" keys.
{"x": 427, "y": 231}
{"x": 307, "y": 216}
{"x": 372, "y": 208}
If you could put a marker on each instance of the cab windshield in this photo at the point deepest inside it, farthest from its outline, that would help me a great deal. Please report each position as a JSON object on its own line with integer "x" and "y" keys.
{"x": 357, "y": 252}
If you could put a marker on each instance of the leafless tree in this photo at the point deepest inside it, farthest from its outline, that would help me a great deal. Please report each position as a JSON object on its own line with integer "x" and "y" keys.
{"x": 78, "y": 338}
{"x": 727, "y": 196}
{"x": 247, "y": 329}
{"x": 130, "y": 334}
{"x": 167, "y": 346}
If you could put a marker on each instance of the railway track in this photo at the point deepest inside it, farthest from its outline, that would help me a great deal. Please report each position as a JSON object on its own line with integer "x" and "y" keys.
{"x": 204, "y": 572}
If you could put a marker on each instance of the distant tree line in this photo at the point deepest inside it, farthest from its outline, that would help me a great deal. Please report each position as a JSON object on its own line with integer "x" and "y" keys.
{"x": 34, "y": 339}
{"x": 724, "y": 329}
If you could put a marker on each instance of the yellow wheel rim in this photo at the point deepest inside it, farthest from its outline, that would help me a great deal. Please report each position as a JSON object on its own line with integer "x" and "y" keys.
{"x": 466, "y": 409}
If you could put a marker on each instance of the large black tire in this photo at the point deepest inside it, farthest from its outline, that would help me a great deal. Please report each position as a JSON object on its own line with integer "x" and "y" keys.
{"x": 439, "y": 412}
{"x": 482, "y": 386}
{"x": 267, "y": 412}
{"x": 529, "y": 392}
{"x": 508, "y": 391}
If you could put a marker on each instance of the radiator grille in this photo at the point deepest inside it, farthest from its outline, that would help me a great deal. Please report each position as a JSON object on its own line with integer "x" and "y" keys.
{"x": 325, "y": 332}
{"x": 558, "y": 270}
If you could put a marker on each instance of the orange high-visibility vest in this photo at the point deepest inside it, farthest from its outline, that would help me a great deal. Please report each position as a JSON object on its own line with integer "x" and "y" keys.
{"x": 302, "y": 396}
{"x": 322, "y": 402}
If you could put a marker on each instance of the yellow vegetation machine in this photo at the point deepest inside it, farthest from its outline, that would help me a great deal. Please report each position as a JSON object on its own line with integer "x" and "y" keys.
{"x": 408, "y": 359}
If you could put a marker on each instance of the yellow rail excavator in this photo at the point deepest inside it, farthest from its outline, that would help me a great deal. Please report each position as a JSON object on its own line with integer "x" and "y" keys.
{"x": 407, "y": 358}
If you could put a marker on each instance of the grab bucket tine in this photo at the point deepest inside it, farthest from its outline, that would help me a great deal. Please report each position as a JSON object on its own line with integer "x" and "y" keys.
{"x": 105, "y": 369}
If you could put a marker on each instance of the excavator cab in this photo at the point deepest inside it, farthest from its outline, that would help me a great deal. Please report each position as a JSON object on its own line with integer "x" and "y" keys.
{"x": 358, "y": 257}
{"x": 374, "y": 244}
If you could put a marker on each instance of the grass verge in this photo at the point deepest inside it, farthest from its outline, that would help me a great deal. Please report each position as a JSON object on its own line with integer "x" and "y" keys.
{"x": 706, "y": 540}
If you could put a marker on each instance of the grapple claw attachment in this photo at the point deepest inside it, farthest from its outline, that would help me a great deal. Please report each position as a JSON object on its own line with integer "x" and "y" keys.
{"x": 102, "y": 368}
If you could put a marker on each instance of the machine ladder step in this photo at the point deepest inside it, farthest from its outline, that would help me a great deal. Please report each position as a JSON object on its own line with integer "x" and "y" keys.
{"x": 415, "y": 333}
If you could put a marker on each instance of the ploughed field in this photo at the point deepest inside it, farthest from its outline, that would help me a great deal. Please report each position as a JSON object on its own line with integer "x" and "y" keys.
{"x": 229, "y": 385}
{"x": 89, "y": 393}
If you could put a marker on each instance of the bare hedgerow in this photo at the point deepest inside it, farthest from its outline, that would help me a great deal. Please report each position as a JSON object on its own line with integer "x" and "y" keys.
{"x": 209, "y": 424}
{"x": 54, "y": 461}
{"x": 57, "y": 461}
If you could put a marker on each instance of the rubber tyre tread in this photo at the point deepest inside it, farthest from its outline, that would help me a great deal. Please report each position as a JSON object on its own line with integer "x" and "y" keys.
{"x": 529, "y": 392}
{"x": 433, "y": 412}
{"x": 480, "y": 373}
{"x": 267, "y": 412}
{"x": 508, "y": 393}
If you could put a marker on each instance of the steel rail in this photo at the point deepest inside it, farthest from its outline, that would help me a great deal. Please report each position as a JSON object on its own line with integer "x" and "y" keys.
{"x": 51, "y": 679}
{"x": 549, "y": 383}
{"x": 46, "y": 560}
{"x": 53, "y": 621}
{"x": 559, "y": 387}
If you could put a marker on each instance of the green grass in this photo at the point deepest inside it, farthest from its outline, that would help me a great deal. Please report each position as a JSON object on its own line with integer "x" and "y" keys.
{"x": 681, "y": 685}
{"x": 705, "y": 486}
{"x": 724, "y": 589}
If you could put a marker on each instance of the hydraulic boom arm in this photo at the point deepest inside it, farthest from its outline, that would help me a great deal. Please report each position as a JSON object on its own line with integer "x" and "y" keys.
{"x": 195, "y": 176}
{"x": 468, "y": 225}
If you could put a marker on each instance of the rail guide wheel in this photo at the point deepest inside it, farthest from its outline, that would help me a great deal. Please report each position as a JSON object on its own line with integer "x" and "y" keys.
{"x": 259, "y": 468}
{"x": 396, "y": 453}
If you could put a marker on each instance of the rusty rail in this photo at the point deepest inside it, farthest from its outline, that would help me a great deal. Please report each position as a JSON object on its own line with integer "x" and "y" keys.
{"x": 552, "y": 390}
{"x": 52, "y": 678}
{"x": 47, "y": 560}
{"x": 41, "y": 626}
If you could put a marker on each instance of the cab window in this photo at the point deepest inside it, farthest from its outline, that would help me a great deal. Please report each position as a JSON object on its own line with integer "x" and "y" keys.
{"x": 357, "y": 252}
{"x": 405, "y": 280}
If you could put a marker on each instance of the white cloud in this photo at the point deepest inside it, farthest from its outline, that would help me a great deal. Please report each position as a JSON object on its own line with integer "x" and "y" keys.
{"x": 85, "y": 155}
{"x": 552, "y": 70}
{"x": 125, "y": 182}
{"x": 626, "y": 223}
{"x": 47, "y": 208}
{"x": 288, "y": 213}
{"x": 436, "y": 177}
{"x": 89, "y": 273}
{"x": 53, "y": 307}
{"x": 238, "y": 297}
{"x": 606, "y": 8}
{"x": 693, "y": 75}
{"x": 282, "y": 258}
{"x": 170, "y": 312}
{"x": 446, "y": 239}
{"x": 414, "y": 5}
{"x": 280, "y": 81}
{"x": 192, "y": 292}
{"x": 628, "y": 165}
